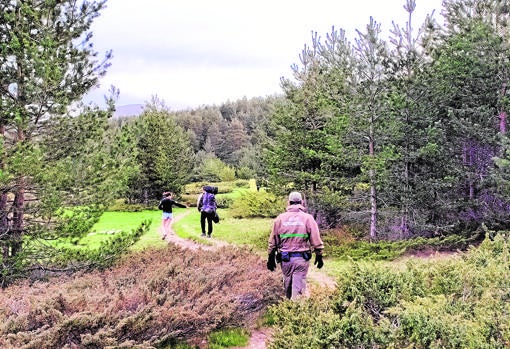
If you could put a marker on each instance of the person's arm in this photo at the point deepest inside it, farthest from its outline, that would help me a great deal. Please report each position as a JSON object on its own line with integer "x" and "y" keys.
{"x": 272, "y": 249}
{"x": 316, "y": 242}
{"x": 179, "y": 205}
{"x": 315, "y": 237}
{"x": 199, "y": 202}
{"x": 272, "y": 243}
{"x": 160, "y": 206}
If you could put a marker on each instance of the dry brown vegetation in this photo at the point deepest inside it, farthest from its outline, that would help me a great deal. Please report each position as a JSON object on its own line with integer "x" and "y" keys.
{"x": 152, "y": 298}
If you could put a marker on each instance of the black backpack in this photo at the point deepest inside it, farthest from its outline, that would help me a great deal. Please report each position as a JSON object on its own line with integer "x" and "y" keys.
{"x": 211, "y": 189}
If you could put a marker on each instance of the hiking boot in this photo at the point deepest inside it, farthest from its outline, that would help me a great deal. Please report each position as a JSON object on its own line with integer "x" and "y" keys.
{"x": 209, "y": 236}
{"x": 203, "y": 235}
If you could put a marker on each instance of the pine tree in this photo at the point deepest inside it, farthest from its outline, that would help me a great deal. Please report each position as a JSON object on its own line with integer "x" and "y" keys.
{"x": 164, "y": 154}
{"x": 471, "y": 72}
{"x": 47, "y": 62}
{"x": 416, "y": 137}
{"x": 371, "y": 118}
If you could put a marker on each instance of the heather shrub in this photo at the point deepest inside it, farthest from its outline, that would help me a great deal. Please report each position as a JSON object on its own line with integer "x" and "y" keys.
{"x": 150, "y": 298}
{"x": 223, "y": 201}
{"x": 242, "y": 183}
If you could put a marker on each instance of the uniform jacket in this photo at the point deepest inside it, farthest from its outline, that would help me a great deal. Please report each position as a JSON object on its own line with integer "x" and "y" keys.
{"x": 295, "y": 231}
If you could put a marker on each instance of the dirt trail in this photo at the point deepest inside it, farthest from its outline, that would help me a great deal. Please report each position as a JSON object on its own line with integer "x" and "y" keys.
{"x": 190, "y": 244}
{"x": 259, "y": 336}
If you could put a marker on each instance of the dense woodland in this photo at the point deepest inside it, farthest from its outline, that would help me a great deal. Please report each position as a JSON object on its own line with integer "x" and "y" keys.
{"x": 398, "y": 137}
{"x": 390, "y": 137}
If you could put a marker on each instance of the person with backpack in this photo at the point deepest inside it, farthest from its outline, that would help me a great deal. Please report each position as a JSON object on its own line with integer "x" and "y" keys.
{"x": 166, "y": 205}
{"x": 207, "y": 207}
{"x": 294, "y": 236}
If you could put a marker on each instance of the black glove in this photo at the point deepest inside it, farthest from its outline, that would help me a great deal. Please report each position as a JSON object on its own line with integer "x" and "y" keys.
{"x": 318, "y": 261}
{"x": 271, "y": 262}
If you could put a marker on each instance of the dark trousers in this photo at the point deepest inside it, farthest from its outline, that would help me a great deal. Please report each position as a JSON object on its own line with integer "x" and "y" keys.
{"x": 203, "y": 217}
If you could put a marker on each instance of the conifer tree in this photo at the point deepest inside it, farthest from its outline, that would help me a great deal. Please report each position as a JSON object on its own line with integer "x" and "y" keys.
{"x": 47, "y": 63}
{"x": 471, "y": 72}
{"x": 372, "y": 118}
{"x": 164, "y": 154}
{"x": 416, "y": 135}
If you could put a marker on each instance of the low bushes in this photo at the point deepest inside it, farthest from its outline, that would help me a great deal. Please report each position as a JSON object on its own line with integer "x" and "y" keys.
{"x": 257, "y": 204}
{"x": 455, "y": 303}
{"x": 223, "y": 187}
{"x": 122, "y": 206}
{"x": 153, "y": 298}
{"x": 344, "y": 248}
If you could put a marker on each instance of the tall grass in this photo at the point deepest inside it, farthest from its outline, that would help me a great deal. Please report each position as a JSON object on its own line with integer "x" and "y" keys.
{"x": 228, "y": 338}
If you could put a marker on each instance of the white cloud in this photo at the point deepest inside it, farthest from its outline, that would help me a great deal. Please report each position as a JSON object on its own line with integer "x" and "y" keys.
{"x": 198, "y": 52}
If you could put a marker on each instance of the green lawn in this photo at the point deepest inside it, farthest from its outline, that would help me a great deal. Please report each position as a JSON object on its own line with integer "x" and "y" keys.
{"x": 252, "y": 232}
{"x": 111, "y": 222}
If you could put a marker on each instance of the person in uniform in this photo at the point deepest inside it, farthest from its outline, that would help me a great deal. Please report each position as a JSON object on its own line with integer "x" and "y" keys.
{"x": 294, "y": 237}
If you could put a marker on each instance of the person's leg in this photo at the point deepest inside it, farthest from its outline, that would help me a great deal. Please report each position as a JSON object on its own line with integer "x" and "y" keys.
{"x": 294, "y": 277}
{"x": 165, "y": 224}
{"x": 300, "y": 271}
{"x": 168, "y": 224}
{"x": 202, "y": 222}
{"x": 287, "y": 278}
{"x": 209, "y": 224}
{"x": 162, "y": 229}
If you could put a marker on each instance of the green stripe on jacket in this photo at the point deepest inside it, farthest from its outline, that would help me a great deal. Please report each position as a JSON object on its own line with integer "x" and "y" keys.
{"x": 284, "y": 236}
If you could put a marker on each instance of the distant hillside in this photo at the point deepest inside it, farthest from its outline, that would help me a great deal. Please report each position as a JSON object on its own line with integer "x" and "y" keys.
{"x": 128, "y": 110}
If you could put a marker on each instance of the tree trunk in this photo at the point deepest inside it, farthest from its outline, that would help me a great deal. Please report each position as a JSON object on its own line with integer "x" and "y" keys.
{"x": 502, "y": 122}
{"x": 4, "y": 223}
{"x": 373, "y": 192}
{"x": 18, "y": 210}
{"x": 18, "y": 218}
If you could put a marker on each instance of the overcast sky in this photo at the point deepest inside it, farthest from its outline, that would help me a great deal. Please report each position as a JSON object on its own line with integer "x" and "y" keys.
{"x": 201, "y": 52}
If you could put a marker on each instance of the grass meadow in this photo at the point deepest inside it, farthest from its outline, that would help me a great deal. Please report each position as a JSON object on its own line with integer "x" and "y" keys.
{"x": 111, "y": 222}
{"x": 252, "y": 232}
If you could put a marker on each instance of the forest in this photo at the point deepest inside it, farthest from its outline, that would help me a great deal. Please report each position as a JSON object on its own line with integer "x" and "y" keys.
{"x": 389, "y": 139}
{"x": 399, "y": 138}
